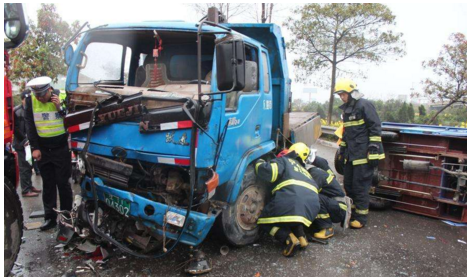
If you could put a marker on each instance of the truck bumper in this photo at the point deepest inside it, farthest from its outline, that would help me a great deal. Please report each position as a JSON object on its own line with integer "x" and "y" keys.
{"x": 196, "y": 231}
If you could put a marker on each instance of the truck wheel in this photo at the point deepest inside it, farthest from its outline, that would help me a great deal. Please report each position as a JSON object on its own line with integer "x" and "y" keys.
{"x": 379, "y": 204}
{"x": 239, "y": 219}
{"x": 338, "y": 164}
{"x": 387, "y": 136}
{"x": 13, "y": 226}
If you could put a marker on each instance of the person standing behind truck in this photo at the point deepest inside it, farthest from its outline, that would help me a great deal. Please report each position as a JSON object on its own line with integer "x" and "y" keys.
{"x": 19, "y": 143}
{"x": 295, "y": 201}
{"x": 49, "y": 143}
{"x": 361, "y": 148}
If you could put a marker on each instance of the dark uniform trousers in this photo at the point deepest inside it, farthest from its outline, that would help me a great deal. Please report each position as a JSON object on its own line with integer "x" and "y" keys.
{"x": 331, "y": 211}
{"x": 25, "y": 172}
{"x": 55, "y": 167}
{"x": 357, "y": 183}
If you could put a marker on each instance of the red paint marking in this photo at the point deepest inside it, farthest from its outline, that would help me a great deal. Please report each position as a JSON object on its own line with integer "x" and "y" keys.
{"x": 182, "y": 161}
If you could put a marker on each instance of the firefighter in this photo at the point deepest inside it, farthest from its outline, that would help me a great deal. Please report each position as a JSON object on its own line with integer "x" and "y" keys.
{"x": 360, "y": 148}
{"x": 295, "y": 201}
{"x": 49, "y": 144}
{"x": 335, "y": 207}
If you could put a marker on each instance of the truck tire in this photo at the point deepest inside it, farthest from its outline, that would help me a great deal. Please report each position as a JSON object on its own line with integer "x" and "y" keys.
{"x": 379, "y": 204}
{"x": 339, "y": 165}
{"x": 387, "y": 136}
{"x": 13, "y": 226}
{"x": 238, "y": 221}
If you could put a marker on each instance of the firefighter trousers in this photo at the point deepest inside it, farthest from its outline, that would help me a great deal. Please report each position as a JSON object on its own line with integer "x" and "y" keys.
{"x": 331, "y": 211}
{"x": 281, "y": 231}
{"x": 55, "y": 167}
{"x": 357, "y": 183}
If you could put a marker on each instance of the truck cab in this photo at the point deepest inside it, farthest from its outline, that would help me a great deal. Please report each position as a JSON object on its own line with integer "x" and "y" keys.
{"x": 169, "y": 118}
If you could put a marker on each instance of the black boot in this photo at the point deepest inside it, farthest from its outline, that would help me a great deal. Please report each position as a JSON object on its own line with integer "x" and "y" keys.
{"x": 48, "y": 224}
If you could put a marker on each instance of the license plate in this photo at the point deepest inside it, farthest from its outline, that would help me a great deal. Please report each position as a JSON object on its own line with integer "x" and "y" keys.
{"x": 120, "y": 205}
{"x": 175, "y": 219}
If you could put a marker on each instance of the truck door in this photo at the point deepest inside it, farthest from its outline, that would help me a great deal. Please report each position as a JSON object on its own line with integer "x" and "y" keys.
{"x": 248, "y": 113}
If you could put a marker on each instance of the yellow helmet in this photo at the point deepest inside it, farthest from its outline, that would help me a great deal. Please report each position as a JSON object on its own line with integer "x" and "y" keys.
{"x": 301, "y": 149}
{"x": 345, "y": 85}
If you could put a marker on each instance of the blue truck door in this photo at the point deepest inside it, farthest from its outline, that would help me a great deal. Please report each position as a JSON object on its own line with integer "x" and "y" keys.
{"x": 248, "y": 113}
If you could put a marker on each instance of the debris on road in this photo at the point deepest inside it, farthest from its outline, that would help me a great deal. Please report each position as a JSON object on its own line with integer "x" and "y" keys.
{"x": 455, "y": 224}
{"x": 87, "y": 247}
{"x": 32, "y": 225}
{"x": 432, "y": 238}
{"x": 461, "y": 241}
{"x": 224, "y": 250}
{"x": 37, "y": 214}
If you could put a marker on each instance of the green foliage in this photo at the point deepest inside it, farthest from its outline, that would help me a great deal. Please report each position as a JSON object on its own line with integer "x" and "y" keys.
{"x": 40, "y": 54}
{"x": 411, "y": 113}
{"x": 421, "y": 111}
{"x": 450, "y": 70}
{"x": 403, "y": 113}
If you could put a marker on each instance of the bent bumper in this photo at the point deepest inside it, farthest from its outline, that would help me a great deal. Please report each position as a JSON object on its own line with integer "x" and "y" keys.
{"x": 198, "y": 224}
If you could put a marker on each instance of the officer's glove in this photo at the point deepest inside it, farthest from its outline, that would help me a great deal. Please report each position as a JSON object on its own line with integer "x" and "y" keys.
{"x": 373, "y": 155}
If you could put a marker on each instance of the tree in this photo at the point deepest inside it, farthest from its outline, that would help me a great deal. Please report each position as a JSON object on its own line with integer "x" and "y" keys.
{"x": 450, "y": 69}
{"x": 298, "y": 105}
{"x": 40, "y": 54}
{"x": 411, "y": 113}
{"x": 229, "y": 10}
{"x": 421, "y": 110}
{"x": 403, "y": 113}
{"x": 326, "y": 35}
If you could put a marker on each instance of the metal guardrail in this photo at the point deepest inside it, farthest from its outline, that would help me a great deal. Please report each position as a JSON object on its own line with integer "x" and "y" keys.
{"x": 329, "y": 130}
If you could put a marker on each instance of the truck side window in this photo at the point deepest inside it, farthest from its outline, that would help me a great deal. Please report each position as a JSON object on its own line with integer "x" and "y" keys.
{"x": 251, "y": 79}
{"x": 126, "y": 69}
{"x": 104, "y": 62}
{"x": 264, "y": 59}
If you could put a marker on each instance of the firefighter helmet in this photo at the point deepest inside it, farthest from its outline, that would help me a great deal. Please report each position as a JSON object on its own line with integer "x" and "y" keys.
{"x": 345, "y": 85}
{"x": 301, "y": 149}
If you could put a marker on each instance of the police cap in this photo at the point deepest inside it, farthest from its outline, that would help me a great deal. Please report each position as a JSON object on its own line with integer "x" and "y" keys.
{"x": 39, "y": 85}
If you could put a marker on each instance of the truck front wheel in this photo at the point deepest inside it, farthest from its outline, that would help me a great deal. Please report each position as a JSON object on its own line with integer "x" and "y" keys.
{"x": 239, "y": 219}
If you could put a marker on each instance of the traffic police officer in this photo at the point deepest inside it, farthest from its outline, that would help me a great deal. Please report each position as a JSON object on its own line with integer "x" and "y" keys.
{"x": 49, "y": 144}
{"x": 361, "y": 148}
{"x": 295, "y": 201}
{"x": 335, "y": 207}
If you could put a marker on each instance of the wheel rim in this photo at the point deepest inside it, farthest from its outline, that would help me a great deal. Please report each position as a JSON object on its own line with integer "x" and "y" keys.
{"x": 250, "y": 204}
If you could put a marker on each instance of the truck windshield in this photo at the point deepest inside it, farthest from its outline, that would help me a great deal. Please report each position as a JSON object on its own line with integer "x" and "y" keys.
{"x": 103, "y": 61}
{"x": 132, "y": 58}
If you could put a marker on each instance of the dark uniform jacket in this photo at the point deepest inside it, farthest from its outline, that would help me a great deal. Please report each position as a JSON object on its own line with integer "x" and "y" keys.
{"x": 20, "y": 128}
{"x": 35, "y": 140}
{"x": 295, "y": 193}
{"x": 362, "y": 127}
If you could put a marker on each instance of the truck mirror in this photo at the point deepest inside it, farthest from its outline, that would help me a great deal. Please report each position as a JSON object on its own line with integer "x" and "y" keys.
{"x": 230, "y": 63}
{"x": 68, "y": 54}
{"x": 15, "y": 25}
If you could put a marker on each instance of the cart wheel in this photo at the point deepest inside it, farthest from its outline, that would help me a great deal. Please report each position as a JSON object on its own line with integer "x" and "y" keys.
{"x": 238, "y": 221}
{"x": 387, "y": 136}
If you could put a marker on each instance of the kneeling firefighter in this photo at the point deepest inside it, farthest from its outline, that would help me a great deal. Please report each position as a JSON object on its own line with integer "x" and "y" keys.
{"x": 295, "y": 201}
{"x": 360, "y": 149}
{"x": 335, "y": 207}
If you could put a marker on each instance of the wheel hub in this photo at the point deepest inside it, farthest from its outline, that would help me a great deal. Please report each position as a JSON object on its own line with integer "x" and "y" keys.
{"x": 249, "y": 207}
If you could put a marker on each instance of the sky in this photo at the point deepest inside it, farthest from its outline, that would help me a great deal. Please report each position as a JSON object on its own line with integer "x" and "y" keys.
{"x": 426, "y": 27}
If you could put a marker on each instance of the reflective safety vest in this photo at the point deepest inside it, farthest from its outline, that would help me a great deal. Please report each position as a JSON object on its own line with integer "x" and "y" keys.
{"x": 48, "y": 121}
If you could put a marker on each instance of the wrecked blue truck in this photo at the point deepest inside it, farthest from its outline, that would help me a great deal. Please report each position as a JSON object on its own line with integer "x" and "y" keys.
{"x": 168, "y": 119}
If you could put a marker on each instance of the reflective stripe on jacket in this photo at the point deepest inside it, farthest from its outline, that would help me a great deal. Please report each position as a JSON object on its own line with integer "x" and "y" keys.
{"x": 48, "y": 121}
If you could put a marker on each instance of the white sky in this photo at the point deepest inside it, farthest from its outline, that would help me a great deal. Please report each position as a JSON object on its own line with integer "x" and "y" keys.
{"x": 426, "y": 27}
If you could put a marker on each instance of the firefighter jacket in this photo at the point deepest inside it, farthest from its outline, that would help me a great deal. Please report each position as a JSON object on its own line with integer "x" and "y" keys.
{"x": 327, "y": 183}
{"x": 362, "y": 128}
{"x": 294, "y": 193}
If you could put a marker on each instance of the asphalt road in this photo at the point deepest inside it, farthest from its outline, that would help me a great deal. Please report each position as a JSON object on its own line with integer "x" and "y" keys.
{"x": 393, "y": 244}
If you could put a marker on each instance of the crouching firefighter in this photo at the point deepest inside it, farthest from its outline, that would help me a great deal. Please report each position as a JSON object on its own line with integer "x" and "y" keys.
{"x": 361, "y": 148}
{"x": 335, "y": 207}
{"x": 294, "y": 204}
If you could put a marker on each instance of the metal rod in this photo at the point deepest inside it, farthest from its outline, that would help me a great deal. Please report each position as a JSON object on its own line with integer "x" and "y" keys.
{"x": 414, "y": 156}
{"x": 408, "y": 190}
{"x": 405, "y": 203}
{"x": 420, "y": 184}
{"x": 421, "y": 145}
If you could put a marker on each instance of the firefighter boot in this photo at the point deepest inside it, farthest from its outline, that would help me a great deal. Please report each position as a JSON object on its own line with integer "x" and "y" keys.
{"x": 300, "y": 234}
{"x": 355, "y": 224}
{"x": 324, "y": 234}
{"x": 291, "y": 246}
